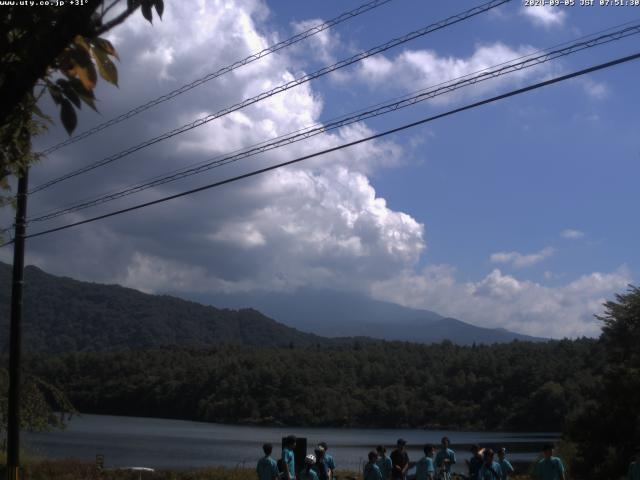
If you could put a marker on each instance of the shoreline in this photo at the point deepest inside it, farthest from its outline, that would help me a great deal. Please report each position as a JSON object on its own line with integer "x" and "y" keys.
{"x": 280, "y": 425}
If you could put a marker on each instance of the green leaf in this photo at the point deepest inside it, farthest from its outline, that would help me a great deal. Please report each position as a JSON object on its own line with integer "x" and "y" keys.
{"x": 159, "y": 4}
{"x": 80, "y": 41}
{"x": 83, "y": 68}
{"x": 85, "y": 95}
{"x": 89, "y": 100}
{"x": 107, "y": 46}
{"x": 87, "y": 75}
{"x": 69, "y": 92}
{"x": 68, "y": 116}
{"x": 146, "y": 10}
{"x": 80, "y": 57}
{"x": 107, "y": 69}
{"x": 55, "y": 93}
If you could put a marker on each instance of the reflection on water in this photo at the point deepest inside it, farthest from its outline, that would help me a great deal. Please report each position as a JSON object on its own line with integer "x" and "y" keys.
{"x": 161, "y": 443}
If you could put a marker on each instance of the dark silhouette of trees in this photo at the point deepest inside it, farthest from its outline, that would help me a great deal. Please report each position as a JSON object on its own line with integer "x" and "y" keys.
{"x": 607, "y": 426}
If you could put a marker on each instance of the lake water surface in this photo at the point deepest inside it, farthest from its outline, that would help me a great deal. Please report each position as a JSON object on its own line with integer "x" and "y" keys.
{"x": 178, "y": 444}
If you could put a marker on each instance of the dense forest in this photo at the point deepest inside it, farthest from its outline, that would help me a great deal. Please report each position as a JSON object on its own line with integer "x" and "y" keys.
{"x": 521, "y": 385}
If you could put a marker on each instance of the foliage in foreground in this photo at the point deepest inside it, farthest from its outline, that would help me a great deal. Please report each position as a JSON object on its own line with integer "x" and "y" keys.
{"x": 42, "y": 407}
{"x": 59, "y": 51}
{"x": 606, "y": 429}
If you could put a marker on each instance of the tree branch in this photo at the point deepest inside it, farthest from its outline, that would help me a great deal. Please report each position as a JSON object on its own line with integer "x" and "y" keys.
{"x": 106, "y": 10}
{"x": 116, "y": 21}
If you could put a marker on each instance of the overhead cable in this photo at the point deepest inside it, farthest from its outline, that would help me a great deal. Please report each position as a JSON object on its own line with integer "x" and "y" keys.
{"x": 253, "y": 173}
{"x": 210, "y": 76}
{"x": 286, "y": 86}
{"x": 380, "y": 109}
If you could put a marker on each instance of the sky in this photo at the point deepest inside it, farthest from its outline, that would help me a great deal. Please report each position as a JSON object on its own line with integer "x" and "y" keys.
{"x": 520, "y": 214}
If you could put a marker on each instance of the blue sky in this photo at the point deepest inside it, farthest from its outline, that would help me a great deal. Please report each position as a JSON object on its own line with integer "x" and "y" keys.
{"x": 519, "y": 214}
{"x": 513, "y": 176}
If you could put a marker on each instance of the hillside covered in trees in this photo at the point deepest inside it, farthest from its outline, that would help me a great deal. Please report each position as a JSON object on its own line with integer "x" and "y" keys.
{"x": 521, "y": 386}
{"x": 66, "y": 315}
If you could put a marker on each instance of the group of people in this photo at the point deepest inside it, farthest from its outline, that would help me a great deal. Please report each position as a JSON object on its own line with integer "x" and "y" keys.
{"x": 483, "y": 464}
{"x": 318, "y": 465}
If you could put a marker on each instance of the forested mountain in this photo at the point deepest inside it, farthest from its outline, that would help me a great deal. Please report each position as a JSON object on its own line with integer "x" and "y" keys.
{"x": 515, "y": 386}
{"x": 66, "y": 315}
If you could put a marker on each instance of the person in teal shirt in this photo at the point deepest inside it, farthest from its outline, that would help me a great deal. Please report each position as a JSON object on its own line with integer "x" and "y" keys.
{"x": 329, "y": 459}
{"x": 505, "y": 465}
{"x": 445, "y": 457}
{"x": 425, "y": 469}
{"x": 289, "y": 459}
{"x": 550, "y": 467}
{"x": 307, "y": 472}
{"x": 267, "y": 468}
{"x": 371, "y": 470}
{"x": 634, "y": 468}
{"x": 384, "y": 462}
{"x": 489, "y": 470}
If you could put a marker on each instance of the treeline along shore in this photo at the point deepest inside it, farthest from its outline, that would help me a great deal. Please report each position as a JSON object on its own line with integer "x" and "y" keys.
{"x": 516, "y": 386}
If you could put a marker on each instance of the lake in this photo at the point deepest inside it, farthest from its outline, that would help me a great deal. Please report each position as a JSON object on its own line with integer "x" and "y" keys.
{"x": 178, "y": 444}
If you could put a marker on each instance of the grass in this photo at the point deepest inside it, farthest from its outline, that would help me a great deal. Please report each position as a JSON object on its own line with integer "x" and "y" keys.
{"x": 78, "y": 470}
{"x": 39, "y": 469}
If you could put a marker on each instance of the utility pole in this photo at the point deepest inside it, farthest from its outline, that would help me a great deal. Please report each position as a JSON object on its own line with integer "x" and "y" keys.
{"x": 15, "y": 333}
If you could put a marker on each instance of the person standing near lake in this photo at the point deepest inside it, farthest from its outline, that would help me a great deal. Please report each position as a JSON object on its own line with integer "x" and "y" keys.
{"x": 634, "y": 467}
{"x": 321, "y": 466}
{"x": 289, "y": 459}
{"x": 399, "y": 461}
{"x": 475, "y": 462}
{"x": 550, "y": 467}
{"x": 267, "y": 468}
{"x": 505, "y": 465}
{"x": 489, "y": 470}
{"x": 371, "y": 470}
{"x": 329, "y": 459}
{"x": 307, "y": 472}
{"x": 384, "y": 462}
{"x": 424, "y": 468}
{"x": 445, "y": 457}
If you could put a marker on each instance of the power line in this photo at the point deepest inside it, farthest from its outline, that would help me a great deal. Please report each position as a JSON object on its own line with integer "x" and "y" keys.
{"x": 222, "y": 71}
{"x": 592, "y": 36}
{"x": 380, "y": 109}
{"x": 343, "y": 116}
{"x": 286, "y": 86}
{"x": 511, "y": 93}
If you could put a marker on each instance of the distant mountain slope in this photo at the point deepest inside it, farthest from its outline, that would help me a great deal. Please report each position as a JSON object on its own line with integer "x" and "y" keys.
{"x": 63, "y": 315}
{"x": 338, "y": 314}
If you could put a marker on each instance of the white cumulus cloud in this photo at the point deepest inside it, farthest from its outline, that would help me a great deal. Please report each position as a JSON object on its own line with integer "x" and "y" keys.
{"x": 500, "y": 300}
{"x": 320, "y": 222}
{"x": 411, "y": 70}
{"x": 571, "y": 234}
{"x": 520, "y": 260}
{"x": 545, "y": 15}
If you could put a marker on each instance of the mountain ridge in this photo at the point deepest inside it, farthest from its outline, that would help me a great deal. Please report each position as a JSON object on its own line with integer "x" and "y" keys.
{"x": 333, "y": 313}
{"x": 64, "y": 315}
